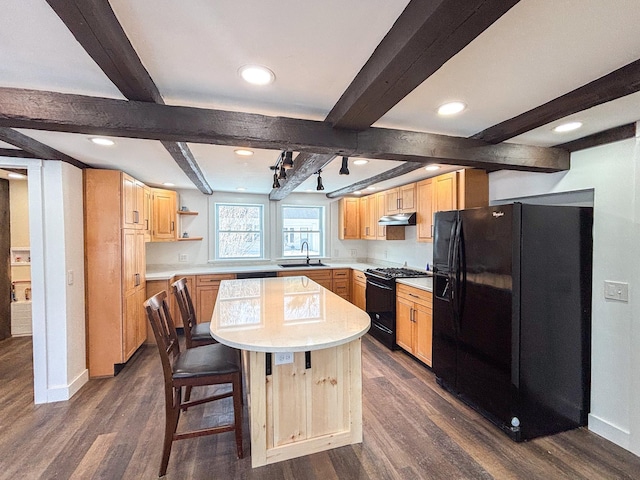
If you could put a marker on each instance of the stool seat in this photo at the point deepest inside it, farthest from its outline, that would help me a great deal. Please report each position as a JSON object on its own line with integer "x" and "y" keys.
{"x": 216, "y": 359}
{"x": 201, "y": 332}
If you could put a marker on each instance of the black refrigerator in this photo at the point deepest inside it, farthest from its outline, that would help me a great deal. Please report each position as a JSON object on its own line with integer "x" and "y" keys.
{"x": 512, "y": 314}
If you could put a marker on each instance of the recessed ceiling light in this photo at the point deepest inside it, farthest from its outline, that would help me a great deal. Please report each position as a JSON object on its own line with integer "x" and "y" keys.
{"x": 15, "y": 175}
{"x": 257, "y": 74}
{"x": 451, "y": 108}
{"x": 357, "y": 192}
{"x": 243, "y": 152}
{"x": 105, "y": 142}
{"x": 371, "y": 188}
{"x": 432, "y": 168}
{"x": 567, "y": 127}
{"x": 241, "y": 189}
{"x": 168, "y": 184}
{"x": 360, "y": 162}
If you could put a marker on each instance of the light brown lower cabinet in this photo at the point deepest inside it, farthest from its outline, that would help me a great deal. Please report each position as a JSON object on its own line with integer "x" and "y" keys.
{"x": 341, "y": 280}
{"x": 207, "y": 287}
{"x": 358, "y": 289}
{"x": 414, "y": 322}
{"x": 323, "y": 277}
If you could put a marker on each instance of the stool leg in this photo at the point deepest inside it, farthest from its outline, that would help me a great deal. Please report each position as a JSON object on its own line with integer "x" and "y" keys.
{"x": 237, "y": 411}
{"x": 172, "y": 415}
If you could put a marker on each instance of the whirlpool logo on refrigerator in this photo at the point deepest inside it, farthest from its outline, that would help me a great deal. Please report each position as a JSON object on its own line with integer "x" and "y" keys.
{"x": 497, "y": 214}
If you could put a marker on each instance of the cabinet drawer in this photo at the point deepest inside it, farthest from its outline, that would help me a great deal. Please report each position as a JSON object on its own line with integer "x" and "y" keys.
{"x": 358, "y": 276}
{"x": 210, "y": 279}
{"x": 341, "y": 273}
{"x": 415, "y": 295}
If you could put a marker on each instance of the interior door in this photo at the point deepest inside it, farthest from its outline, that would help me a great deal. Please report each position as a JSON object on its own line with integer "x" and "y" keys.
{"x": 5, "y": 269}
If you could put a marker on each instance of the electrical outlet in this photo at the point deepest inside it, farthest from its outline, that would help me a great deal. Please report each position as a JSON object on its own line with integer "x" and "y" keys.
{"x": 183, "y": 257}
{"x": 283, "y": 357}
{"x": 354, "y": 252}
{"x": 385, "y": 253}
{"x": 616, "y": 291}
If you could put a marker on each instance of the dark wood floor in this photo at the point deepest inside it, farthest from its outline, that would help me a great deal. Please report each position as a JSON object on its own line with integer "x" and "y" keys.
{"x": 413, "y": 429}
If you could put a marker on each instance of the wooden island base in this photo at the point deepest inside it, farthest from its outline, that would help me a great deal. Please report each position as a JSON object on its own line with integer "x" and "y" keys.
{"x": 296, "y": 411}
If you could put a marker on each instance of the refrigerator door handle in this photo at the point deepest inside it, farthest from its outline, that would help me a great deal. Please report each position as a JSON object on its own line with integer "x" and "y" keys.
{"x": 455, "y": 274}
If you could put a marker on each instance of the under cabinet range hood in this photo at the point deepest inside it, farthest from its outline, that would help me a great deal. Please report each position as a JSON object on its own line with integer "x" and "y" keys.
{"x": 398, "y": 219}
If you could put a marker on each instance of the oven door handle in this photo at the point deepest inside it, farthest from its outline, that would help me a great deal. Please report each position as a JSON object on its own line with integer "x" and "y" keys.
{"x": 379, "y": 285}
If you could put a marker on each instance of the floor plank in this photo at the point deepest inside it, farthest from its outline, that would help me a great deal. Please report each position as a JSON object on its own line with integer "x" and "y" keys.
{"x": 413, "y": 429}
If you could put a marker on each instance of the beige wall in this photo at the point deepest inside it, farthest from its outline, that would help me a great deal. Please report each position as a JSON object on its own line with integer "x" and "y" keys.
{"x": 19, "y": 219}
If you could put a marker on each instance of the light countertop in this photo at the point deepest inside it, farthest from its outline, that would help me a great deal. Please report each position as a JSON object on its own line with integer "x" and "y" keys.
{"x": 423, "y": 283}
{"x": 284, "y": 314}
{"x": 167, "y": 272}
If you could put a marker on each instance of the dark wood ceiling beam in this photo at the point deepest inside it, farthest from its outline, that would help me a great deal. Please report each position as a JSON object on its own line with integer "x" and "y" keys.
{"x": 95, "y": 26}
{"x": 406, "y": 167}
{"x": 304, "y": 165}
{"x": 616, "y": 134}
{"x": 40, "y": 110}
{"x": 15, "y": 153}
{"x": 425, "y": 36}
{"x": 36, "y": 148}
{"x": 617, "y": 84}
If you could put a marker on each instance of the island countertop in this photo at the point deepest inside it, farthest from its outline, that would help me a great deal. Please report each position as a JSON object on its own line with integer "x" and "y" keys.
{"x": 285, "y": 314}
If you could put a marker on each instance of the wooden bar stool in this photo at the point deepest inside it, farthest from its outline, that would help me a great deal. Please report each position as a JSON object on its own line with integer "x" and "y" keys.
{"x": 195, "y": 334}
{"x": 206, "y": 365}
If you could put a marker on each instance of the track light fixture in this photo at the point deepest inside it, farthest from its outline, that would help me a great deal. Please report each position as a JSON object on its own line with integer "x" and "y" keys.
{"x": 344, "y": 170}
{"x": 320, "y": 186}
{"x": 288, "y": 160}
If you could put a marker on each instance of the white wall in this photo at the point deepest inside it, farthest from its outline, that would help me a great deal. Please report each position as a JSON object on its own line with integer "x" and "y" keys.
{"x": 167, "y": 253}
{"x": 57, "y": 245}
{"x": 613, "y": 171}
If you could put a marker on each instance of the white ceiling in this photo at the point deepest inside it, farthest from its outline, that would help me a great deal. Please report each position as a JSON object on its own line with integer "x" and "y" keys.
{"x": 536, "y": 52}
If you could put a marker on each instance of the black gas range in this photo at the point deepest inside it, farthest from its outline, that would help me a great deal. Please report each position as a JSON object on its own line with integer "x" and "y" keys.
{"x": 381, "y": 301}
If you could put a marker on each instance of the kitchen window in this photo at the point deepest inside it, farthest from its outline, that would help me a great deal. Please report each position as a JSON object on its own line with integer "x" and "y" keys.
{"x": 239, "y": 231}
{"x": 303, "y": 224}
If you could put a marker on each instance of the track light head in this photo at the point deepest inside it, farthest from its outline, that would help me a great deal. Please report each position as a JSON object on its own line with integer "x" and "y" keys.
{"x": 288, "y": 160}
{"x": 276, "y": 184}
{"x": 320, "y": 186}
{"x": 344, "y": 170}
{"x": 283, "y": 174}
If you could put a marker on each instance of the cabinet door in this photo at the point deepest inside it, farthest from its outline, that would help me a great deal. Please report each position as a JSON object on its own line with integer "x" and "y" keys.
{"x": 446, "y": 192}
{"x": 367, "y": 228}
{"x": 381, "y": 210}
{"x": 404, "y": 324}
{"x": 424, "y": 213}
{"x": 130, "y": 265}
{"x": 391, "y": 201}
{"x": 349, "y": 217}
{"x": 146, "y": 213}
{"x": 164, "y": 215}
{"x": 423, "y": 333}
{"x": 130, "y": 215}
{"x": 407, "y": 196}
{"x": 206, "y": 300}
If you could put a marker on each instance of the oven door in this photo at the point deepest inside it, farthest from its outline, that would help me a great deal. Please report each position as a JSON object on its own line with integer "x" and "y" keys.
{"x": 381, "y": 298}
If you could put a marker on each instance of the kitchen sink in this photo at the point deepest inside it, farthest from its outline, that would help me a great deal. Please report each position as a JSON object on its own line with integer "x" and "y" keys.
{"x": 302, "y": 265}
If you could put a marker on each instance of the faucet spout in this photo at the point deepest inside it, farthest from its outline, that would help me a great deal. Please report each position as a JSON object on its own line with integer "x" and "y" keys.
{"x": 302, "y": 249}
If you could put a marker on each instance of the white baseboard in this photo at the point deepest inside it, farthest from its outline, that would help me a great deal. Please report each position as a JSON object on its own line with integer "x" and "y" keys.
{"x": 611, "y": 432}
{"x": 62, "y": 393}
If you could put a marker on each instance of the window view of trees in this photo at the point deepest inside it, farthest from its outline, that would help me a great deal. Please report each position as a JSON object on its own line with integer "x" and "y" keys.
{"x": 239, "y": 231}
{"x": 300, "y": 224}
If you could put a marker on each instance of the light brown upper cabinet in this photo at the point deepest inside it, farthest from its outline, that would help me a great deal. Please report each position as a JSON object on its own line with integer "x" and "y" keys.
{"x": 349, "y": 219}
{"x": 401, "y": 199}
{"x": 467, "y": 188}
{"x": 132, "y": 202}
{"x": 368, "y": 220}
{"x": 424, "y": 211}
{"x": 146, "y": 213}
{"x": 381, "y": 210}
{"x": 163, "y": 208}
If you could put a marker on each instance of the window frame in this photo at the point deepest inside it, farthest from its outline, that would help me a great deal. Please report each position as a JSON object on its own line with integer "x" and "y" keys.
{"x": 216, "y": 230}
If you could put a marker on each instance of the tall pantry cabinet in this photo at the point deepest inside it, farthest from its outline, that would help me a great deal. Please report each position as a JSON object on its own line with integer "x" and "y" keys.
{"x": 115, "y": 229}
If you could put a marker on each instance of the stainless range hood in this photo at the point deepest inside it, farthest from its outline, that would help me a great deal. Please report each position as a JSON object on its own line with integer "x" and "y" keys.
{"x": 398, "y": 219}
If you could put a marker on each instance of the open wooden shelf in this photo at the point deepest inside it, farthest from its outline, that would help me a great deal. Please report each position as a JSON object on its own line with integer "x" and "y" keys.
{"x": 189, "y": 239}
{"x": 187, "y": 212}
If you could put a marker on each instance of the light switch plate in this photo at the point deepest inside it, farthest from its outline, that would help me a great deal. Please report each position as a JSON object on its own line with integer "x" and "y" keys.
{"x": 283, "y": 357}
{"x": 183, "y": 257}
{"x": 616, "y": 291}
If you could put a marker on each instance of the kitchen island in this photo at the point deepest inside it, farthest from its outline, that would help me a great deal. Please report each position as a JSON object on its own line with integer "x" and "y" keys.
{"x": 301, "y": 347}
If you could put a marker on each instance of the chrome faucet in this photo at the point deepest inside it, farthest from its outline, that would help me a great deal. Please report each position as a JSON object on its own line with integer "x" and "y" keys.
{"x": 302, "y": 249}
